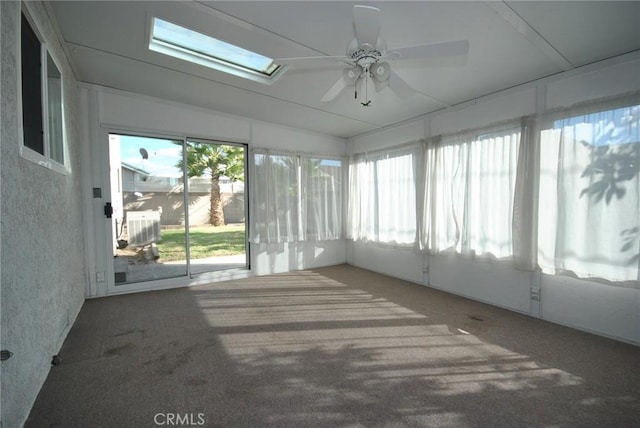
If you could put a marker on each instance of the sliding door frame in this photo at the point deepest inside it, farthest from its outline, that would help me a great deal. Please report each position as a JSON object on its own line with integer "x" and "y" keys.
{"x": 245, "y": 147}
{"x": 106, "y": 246}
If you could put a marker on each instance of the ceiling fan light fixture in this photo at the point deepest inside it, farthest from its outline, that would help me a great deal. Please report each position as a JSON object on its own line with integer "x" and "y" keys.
{"x": 352, "y": 74}
{"x": 381, "y": 71}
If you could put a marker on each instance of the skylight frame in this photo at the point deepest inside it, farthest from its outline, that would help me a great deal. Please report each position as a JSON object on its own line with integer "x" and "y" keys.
{"x": 177, "y": 49}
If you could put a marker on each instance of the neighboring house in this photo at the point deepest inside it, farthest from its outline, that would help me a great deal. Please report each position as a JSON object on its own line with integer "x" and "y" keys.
{"x": 132, "y": 175}
{"x": 142, "y": 191}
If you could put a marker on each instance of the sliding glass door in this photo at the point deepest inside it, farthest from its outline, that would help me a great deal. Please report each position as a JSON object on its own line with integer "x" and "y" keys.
{"x": 216, "y": 209}
{"x": 177, "y": 207}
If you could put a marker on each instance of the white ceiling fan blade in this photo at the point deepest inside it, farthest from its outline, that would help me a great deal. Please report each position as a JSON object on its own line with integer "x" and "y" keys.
{"x": 366, "y": 21}
{"x": 335, "y": 89}
{"x": 399, "y": 86}
{"x": 433, "y": 50}
{"x": 380, "y": 84}
{"x": 313, "y": 60}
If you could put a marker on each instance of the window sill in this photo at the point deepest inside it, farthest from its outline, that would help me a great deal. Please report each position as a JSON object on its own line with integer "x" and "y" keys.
{"x": 35, "y": 157}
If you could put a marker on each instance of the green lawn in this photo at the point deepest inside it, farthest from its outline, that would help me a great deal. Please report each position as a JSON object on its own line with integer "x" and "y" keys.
{"x": 206, "y": 241}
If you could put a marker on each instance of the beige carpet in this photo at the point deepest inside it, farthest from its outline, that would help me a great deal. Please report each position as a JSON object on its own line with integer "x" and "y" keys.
{"x": 333, "y": 347}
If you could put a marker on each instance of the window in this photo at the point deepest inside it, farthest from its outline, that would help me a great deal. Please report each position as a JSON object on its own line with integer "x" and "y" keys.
{"x": 189, "y": 45}
{"x": 588, "y": 221}
{"x": 382, "y": 198}
{"x": 276, "y": 191}
{"x": 296, "y": 198}
{"x": 32, "y": 121}
{"x": 448, "y": 194}
{"x": 321, "y": 199}
{"x": 41, "y": 97}
{"x": 54, "y": 104}
{"x": 469, "y": 193}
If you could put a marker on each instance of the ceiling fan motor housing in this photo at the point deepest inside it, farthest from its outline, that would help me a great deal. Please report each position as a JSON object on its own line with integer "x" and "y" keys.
{"x": 356, "y": 51}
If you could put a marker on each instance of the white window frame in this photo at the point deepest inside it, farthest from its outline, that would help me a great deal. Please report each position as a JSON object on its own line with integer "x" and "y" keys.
{"x": 367, "y": 228}
{"x": 27, "y": 153}
{"x": 205, "y": 60}
{"x": 299, "y": 233}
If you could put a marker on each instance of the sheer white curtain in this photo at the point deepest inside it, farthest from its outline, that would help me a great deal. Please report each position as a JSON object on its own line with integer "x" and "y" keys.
{"x": 589, "y": 216}
{"x": 382, "y": 198}
{"x": 296, "y": 197}
{"x": 321, "y": 199}
{"x": 468, "y": 193}
{"x": 524, "y": 225}
{"x": 276, "y": 192}
{"x": 360, "y": 205}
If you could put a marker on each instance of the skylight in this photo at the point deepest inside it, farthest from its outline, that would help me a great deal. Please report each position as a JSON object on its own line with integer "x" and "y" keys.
{"x": 183, "y": 43}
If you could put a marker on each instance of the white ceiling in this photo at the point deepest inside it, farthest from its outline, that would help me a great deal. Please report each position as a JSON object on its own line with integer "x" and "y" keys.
{"x": 510, "y": 43}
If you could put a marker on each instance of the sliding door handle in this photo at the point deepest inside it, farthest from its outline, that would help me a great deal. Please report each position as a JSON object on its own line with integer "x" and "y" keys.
{"x": 108, "y": 210}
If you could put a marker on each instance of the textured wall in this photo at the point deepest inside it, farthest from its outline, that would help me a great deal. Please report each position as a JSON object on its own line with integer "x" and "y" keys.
{"x": 42, "y": 256}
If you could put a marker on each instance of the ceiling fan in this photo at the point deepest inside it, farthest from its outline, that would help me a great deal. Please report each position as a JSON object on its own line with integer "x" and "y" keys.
{"x": 367, "y": 58}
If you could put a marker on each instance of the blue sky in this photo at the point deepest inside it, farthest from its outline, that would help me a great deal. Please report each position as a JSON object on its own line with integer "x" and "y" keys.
{"x": 163, "y": 155}
{"x": 198, "y": 42}
{"x": 618, "y": 126}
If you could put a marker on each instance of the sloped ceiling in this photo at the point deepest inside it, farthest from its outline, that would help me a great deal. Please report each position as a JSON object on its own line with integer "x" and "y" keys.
{"x": 510, "y": 43}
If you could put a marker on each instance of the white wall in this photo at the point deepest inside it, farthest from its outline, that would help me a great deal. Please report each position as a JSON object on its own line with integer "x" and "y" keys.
{"x": 270, "y": 136}
{"x": 111, "y": 110}
{"x": 491, "y": 282}
{"x": 402, "y": 264}
{"x": 596, "y": 307}
{"x": 285, "y": 257}
{"x": 42, "y": 247}
{"x": 392, "y": 136}
{"x": 128, "y": 111}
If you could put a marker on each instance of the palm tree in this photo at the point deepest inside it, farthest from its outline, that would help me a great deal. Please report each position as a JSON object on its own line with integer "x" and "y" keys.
{"x": 216, "y": 161}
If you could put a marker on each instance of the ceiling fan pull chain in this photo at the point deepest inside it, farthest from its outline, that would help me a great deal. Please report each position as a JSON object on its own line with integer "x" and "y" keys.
{"x": 367, "y": 91}
{"x": 367, "y": 102}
